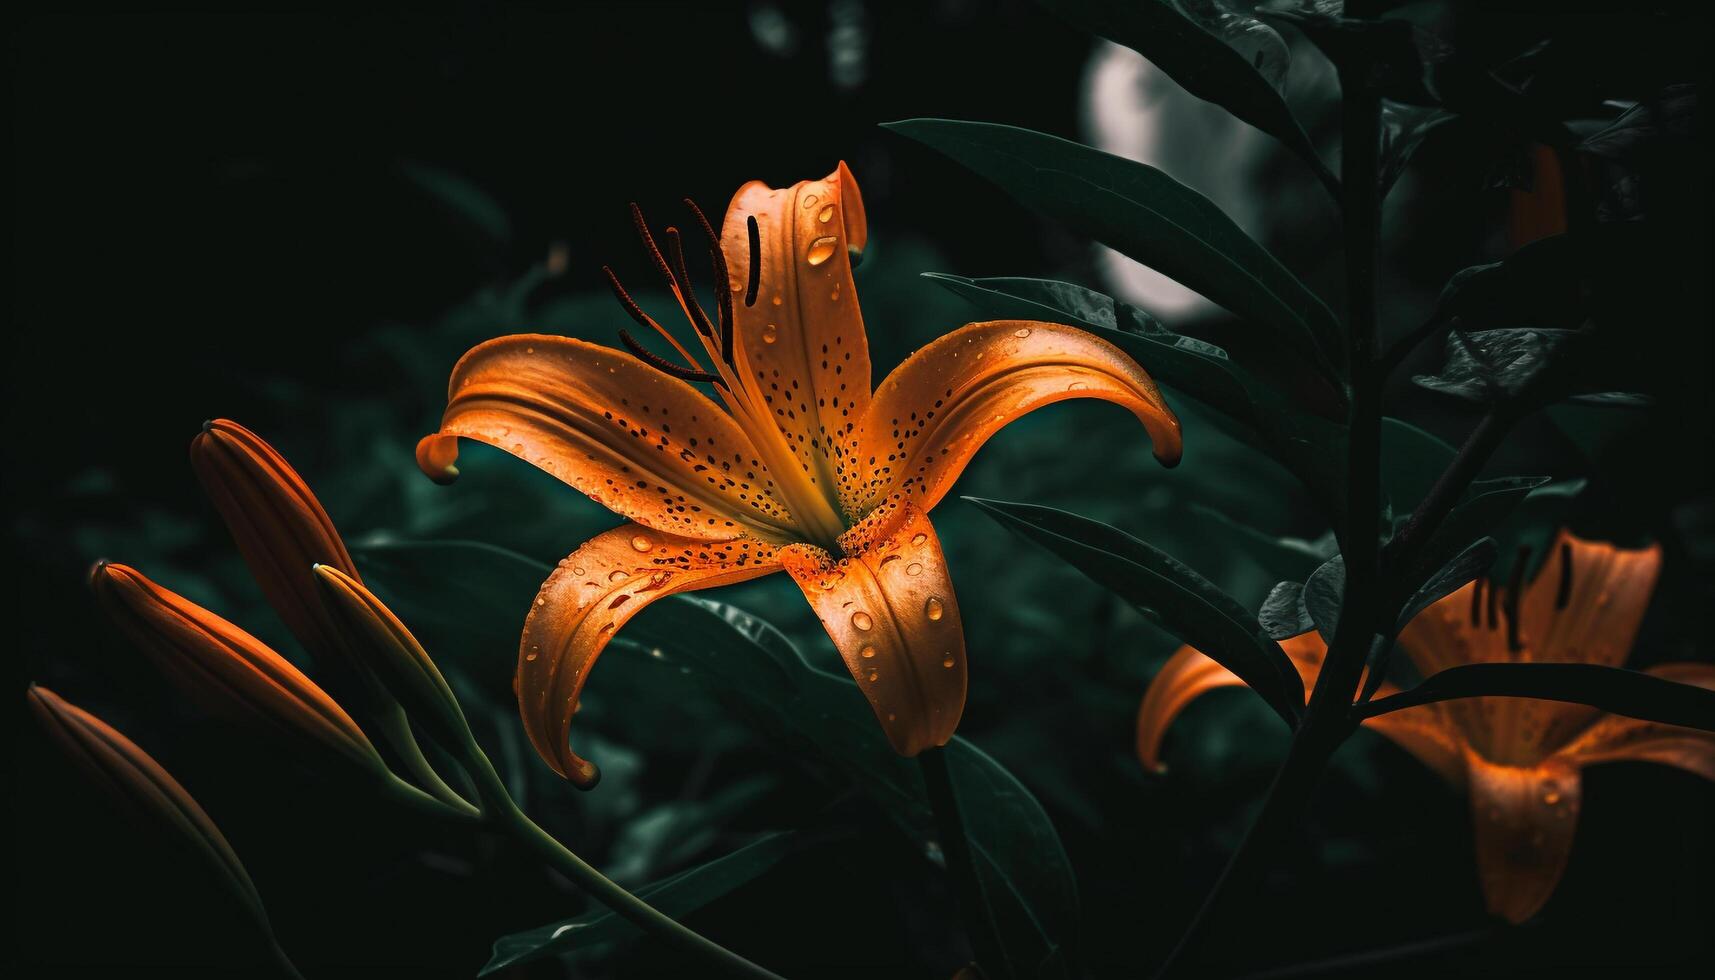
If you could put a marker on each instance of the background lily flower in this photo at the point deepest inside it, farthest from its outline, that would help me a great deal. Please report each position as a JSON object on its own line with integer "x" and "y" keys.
{"x": 1519, "y": 759}
{"x": 804, "y": 470}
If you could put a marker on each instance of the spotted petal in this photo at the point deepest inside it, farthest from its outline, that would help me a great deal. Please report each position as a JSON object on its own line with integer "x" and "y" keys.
{"x": 1614, "y": 738}
{"x": 595, "y": 591}
{"x": 647, "y": 446}
{"x": 937, "y": 408}
{"x": 890, "y": 610}
{"x": 1524, "y": 818}
{"x": 801, "y": 343}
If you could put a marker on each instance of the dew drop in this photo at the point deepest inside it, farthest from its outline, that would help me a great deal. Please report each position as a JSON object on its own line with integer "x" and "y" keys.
{"x": 861, "y": 620}
{"x": 810, "y": 201}
{"x": 770, "y": 334}
{"x": 777, "y": 301}
{"x": 821, "y": 250}
{"x": 915, "y": 568}
{"x": 1076, "y": 386}
{"x": 541, "y": 600}
{"x": 640, "y": 542}
{"x": 826, "y": 215}
{"x": 1021, "y": 332}
{"x": 874, "y": 676}
{"x": 529, "y": 350}
{"x": 947, "y": 661}
{"x": 578, "y": 571}
{"x": 868, "y": 653}
{"x": 532, "y": 655}
{"x": 933, "y": 608}
{"x": 919, "y": 538}
{"x": 617, "y": 575}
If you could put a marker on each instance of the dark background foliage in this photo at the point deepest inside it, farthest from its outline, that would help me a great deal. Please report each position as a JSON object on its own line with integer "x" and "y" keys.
{"x": 299, "y": 218}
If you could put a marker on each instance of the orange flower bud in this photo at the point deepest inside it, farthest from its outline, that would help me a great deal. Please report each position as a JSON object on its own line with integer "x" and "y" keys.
{"x": 225, "y": 667}
{"x": 388, "y": 649}
{"x": 119, "y": 766}
{"x": 280, "y": 527}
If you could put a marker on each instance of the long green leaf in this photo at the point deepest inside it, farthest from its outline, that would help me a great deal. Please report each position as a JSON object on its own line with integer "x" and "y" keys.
{"x": 677, "y": 895}
{"x": 1200, "y": 62}
{"x": 1191, "y": 605}
{"x": 1614, "y": 689}
{"x": 1144, "y": 213}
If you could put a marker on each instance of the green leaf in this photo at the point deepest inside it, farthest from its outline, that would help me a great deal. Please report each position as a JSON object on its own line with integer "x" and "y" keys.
{"x": 677, "y": 895}
{"x": 1200, "y": 62}
{"x": 1495, "y": 366}
{"x": 1146, "y": 214}
{"x": 1404, "y": 128}
{"x": 463, "y": 200}
{"x": 1412, "y": 460}
{"x": 1324, "y": 591}
{"x": 1201, "y": 614}
{"x": 1292, "y": 559}
{"x": 1252, "y": 412}
{"x": 1613, "y": 689}
{"x": 1465, "y": 566}
{"x": 1283, "y": 615}
{"x": 1485, "y": 504}
{"x": 700, "y": 648}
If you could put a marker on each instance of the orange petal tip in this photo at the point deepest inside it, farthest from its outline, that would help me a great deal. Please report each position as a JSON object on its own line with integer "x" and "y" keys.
{"x": 436, "y": 456}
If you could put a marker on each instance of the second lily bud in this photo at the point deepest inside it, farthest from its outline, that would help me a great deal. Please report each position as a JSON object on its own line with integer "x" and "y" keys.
{"x": 386, "y": 647}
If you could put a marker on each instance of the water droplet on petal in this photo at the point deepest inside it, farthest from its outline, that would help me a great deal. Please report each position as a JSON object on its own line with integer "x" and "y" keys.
{"x": 861, "y": 620}
{"x": 532, "y": 655}
{"x": 874, "y": 676}
{"x": 770, "y": 334}
{"x": 578, "y": 571}
{"x": 821, "y": 250}
{"x": 640, "y": 542}
{"x": 1076, "y": 386}
{"x": 933, "y": 608}
{"x": 810, "y": 201}
{"x": 1021, "y": 332}
{"x": 529, "y": 350}
{"x": 778, "y": 301}
{"x": 826, "y": 215}
{"x": 947, "y": 661}
{"x": 617, "y": 575}
{"x": 919, "y": 538}
{"x": 868, "y": 653}
{"x": 915, "y": 568}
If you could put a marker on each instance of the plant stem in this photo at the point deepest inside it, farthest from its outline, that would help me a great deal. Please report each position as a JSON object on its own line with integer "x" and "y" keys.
{"x": 505, "y": 815}
{"x": 1328, "y": 717}
{"x": 1448, "y": 488}
{"x": 956, "y": 848}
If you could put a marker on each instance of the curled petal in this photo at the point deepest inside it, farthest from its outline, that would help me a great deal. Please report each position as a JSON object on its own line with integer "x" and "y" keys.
{"x": 1422, "y": 731}
{"x": 890, "y": 610}
{"x": 1524, "y": 818}
{"x": 938, "y": 407}
{"x": 1614, "y": 738}
{"x": 278, "y": 524}
{"x": 119, "y": 766}
{"x": 225, "y": 667}
{"x": 595, "y": 591}
{"x": 801, "y": 339}
{"x": 641, "y": 443}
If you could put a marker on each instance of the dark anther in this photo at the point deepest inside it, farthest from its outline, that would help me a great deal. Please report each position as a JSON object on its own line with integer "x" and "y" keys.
{"x": 723, "y": 287}
{"x": 1494, "y": 600}
{"x": 662, "y": 364}
{"x": 1563, "y": 595}
{"x": 649, "y": 244}
{"x": 755, "y": 261}
{"x": 643, "y": 319}
{"x": 1477, "y": 603}
{"x": 1515, "y": 587}
{"x": 676, "y": 254}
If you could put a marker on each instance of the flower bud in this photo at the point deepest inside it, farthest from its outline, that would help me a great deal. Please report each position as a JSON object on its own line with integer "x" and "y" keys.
{"x": 117, "y": 765}
{"x": 393, "y": 655}
{"x": 226, "y": 668}
{"x": 279, "y": 525}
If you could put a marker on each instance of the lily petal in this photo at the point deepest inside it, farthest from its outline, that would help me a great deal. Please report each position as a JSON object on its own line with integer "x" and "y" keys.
{"x": 937, "y": 408}
{"x": 1524, "y": 818}
{"x": 1187, "y": 674}
{"x": 890, "y": 610}
{"x": 1614, "y": 738}
{"x": 801, "y": 347}
{"x": 645, "y": 445}
{"x": 1587, "y": 601}
{"x": 594, "y": 591}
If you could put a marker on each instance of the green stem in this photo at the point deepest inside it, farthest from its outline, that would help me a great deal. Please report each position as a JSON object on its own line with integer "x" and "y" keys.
{"x": 980, "y": 927}
{"x": 287, "y": 967}
{"x": 505, "y": 815}
{"x": 1328, "y": 717}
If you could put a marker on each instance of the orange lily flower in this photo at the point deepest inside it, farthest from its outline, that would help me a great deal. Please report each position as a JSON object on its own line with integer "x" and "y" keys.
{"x": 1519, "y": 759}
{"x": 804, "y": 470}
